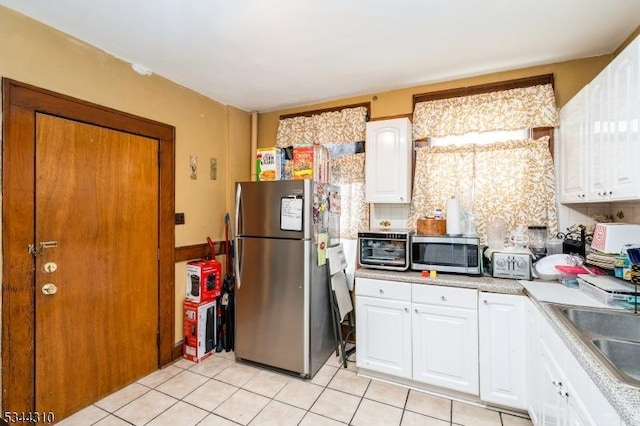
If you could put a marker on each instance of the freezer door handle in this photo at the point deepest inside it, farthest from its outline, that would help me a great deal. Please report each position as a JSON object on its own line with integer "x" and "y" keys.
{"x": 236, "y": 259}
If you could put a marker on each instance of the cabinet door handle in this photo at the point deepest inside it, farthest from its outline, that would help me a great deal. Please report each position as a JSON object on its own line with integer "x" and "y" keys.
{"x": 407, "y": 309}
{"x": 381, "y": 291}
{"x": 485, "y": 302}
{"x": 416, "y": 311}
{"x": 444, "y": 299}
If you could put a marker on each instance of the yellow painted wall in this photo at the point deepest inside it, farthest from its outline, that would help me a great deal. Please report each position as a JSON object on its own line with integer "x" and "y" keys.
{"x": 33, "y": 53}
{"x": 569, "y": 76}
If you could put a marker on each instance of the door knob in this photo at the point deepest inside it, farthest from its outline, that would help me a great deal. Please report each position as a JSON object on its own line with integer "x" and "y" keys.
{"x": 49, "y": 289}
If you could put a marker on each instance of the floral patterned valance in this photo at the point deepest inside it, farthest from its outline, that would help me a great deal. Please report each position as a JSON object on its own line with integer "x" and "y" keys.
{"x": 527, "y": 107}
{"x": 334, "y": 127}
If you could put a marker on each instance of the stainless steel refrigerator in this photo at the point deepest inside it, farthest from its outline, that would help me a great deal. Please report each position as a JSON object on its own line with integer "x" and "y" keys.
{"x": 282, "y": 311}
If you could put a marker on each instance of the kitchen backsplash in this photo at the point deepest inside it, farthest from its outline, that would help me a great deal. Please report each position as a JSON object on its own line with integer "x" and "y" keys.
{"x": 626, "y": 212}
{"x": 584, "y": 213}
{"x": 398, "y": 214}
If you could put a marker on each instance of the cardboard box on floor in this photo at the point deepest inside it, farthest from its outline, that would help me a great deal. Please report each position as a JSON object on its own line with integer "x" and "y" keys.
{"x": 199, "y": 328}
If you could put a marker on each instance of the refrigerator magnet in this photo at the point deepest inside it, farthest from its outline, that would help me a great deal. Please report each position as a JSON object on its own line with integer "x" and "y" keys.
{"x": 323, "y": 239}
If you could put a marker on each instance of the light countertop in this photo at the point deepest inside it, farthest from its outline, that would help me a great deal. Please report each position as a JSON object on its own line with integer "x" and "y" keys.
{"x": 555, "y": 292}
{"x": 482, "y": 283}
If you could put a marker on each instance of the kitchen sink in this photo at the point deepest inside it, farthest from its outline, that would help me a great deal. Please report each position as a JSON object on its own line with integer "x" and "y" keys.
{"x": 623, "y": 355}
{"x": 612, "y": 336}
{"x": 604, "y": 322}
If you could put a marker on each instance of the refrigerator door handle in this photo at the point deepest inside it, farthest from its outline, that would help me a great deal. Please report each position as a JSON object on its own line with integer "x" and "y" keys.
{"x": 236, "y": 259}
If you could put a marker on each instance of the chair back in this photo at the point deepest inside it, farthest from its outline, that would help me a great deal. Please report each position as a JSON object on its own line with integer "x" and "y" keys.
{"x": 337, "y": 265}
{"x": 337, "y": 259}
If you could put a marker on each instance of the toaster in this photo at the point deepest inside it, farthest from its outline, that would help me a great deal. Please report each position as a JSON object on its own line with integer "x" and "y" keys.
{"x": 509, "y": 264}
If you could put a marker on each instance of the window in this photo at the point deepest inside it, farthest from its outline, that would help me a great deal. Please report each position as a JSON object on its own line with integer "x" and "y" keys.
{"x": 480, "y": 138}
{"x": 490, "y": 147}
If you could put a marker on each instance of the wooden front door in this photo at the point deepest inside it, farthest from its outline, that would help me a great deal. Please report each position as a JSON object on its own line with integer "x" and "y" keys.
{"x": 97, "y": 286}
{"x": 88, "y": 292}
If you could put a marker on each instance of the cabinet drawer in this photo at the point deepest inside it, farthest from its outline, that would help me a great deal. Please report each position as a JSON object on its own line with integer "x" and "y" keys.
{"x": 445, "y": 296}
{"x": 391, "y": 290}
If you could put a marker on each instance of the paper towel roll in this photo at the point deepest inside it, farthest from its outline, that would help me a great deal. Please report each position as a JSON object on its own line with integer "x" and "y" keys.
{"x": 453, "y": 217}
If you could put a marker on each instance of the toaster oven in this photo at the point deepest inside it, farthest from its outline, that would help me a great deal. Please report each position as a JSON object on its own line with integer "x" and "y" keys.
{"x": 384, "y": 250}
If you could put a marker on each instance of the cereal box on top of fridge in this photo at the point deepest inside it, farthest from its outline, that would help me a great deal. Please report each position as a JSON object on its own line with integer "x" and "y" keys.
{"x": 311, "y": 162}
{"x": 269, "y": 163}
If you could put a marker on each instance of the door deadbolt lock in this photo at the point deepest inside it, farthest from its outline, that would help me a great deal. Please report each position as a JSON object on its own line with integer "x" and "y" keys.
{"x": 49, "y": 289}
{"x": 50, "y": 267}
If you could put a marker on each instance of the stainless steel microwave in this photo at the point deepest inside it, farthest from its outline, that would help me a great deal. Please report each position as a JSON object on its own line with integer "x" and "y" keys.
{"x": 446, "y": 254}
{"x": 384, "y": 250}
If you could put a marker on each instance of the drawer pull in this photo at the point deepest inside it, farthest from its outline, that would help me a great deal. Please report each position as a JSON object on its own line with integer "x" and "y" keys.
{"x": 416, "y": 311}
{"x": 444, "y": 299}
{"x": 381, "y": 291}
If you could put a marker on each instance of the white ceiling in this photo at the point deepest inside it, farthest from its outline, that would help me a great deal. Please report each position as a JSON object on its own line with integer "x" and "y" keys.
{"x": 270, "y": 54}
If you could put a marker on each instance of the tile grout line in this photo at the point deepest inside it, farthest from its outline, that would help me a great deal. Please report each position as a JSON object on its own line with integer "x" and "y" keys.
{"x": 360, "y": 402}
{"x": 335, "y": 370}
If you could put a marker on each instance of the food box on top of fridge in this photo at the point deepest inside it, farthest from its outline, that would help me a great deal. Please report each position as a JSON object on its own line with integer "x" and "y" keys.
{"x": 269, "y": 163}
{"x": 311, "y": 162}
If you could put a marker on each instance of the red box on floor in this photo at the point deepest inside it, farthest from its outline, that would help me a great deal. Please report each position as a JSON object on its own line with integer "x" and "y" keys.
{"x": 203, "y": 280}
{"x": 199, "y": 330}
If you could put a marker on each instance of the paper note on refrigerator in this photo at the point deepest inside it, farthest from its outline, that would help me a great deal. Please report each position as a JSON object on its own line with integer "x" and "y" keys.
{"x": 291, "y": 214}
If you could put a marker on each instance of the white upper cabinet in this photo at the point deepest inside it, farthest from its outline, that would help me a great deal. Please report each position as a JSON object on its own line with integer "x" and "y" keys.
{"x": 600, "y": 135}
{"x": 624, "y": 75}
{"x": 573, "y": 150}
{"x": 388, "y": 161}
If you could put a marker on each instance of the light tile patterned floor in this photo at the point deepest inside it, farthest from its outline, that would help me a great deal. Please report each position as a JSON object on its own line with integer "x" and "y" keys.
{"x": 219, "y": 391}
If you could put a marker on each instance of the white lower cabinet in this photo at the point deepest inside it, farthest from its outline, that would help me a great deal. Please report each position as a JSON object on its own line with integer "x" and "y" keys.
{"x": 445, "y": 337}
{"x": 383, "y": 324}
{"x": 560, "y": 391}
{"x": 425, "y": 333}
{"x": 533, "y": 362}
{"x": 498, "y": 346}
{"x": 562, "y": 404}
{"x": 502, "y": 349}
